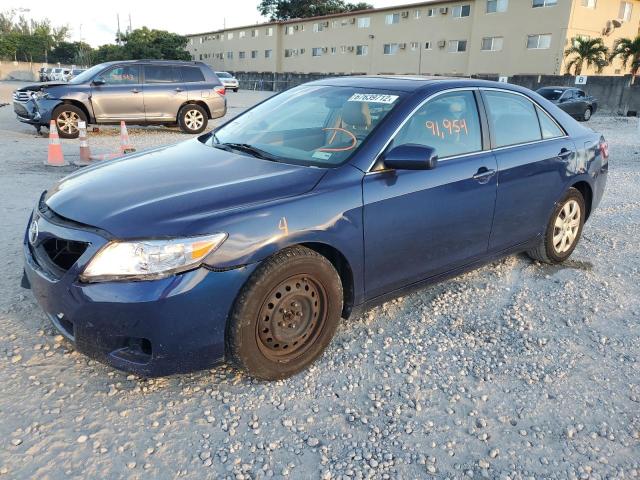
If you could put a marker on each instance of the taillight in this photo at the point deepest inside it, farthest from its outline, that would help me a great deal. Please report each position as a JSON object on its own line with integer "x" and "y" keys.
{"x": 220, "y": 90}
{"x": 604, "y": 148}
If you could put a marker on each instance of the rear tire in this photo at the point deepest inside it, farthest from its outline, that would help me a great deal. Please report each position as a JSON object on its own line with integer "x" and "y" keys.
{"x": 563, "y": 230}
{"x": 235, "y": 90}
{"x": 192, "y": 118}
{"x": 67, "y": 117}
{"x": 285, "y": 315}
{"x": 586, "y": 116}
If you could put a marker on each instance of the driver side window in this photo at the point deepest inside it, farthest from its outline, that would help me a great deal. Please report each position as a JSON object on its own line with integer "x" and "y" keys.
{"x": 449, "y": 123}
{"x": 121, "y": 75}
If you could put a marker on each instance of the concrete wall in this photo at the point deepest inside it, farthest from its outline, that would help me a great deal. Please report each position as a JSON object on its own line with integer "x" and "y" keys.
{"x": 615, "y": 94}
{"x": 19, "y": 71}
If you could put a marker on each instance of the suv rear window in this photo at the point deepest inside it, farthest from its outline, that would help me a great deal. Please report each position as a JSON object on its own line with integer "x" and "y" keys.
{"x": 192, "y": 74}
{"x": 159, "y": 74}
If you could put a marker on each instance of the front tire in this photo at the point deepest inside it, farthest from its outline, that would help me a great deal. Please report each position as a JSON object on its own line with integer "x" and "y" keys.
{"x": 285, "y": 315}
{"x": 192, "y": 118}
{"x": 67, "y": 117}
{"x": 235, "y": 90}
{"x": 563, "y": 230}
{"x": 586, "y": 116}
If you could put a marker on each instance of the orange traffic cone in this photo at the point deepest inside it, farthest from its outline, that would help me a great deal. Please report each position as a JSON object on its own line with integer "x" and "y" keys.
{"x": 85, "y": 151}
{"x": 55, "y": 158}
{"x": 125, "y": 144}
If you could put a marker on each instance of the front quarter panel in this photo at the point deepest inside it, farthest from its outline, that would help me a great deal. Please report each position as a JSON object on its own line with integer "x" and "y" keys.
{"x": 330, "y": 214}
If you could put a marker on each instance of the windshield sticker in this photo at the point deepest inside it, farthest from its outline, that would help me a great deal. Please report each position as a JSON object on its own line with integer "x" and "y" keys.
{"x": 322, "y": 155}
{"x": 373, "y": 98}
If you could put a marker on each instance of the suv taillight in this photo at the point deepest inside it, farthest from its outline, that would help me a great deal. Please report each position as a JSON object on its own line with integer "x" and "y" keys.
{"x": 220, "y": 90}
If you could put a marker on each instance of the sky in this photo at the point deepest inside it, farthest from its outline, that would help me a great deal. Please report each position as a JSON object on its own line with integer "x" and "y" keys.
{"x": 95, "y": 22}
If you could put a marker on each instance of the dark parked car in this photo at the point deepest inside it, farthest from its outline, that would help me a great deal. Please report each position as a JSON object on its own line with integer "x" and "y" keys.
{"x": 572, "y": 100}
{"x": 138, "y": 91}
{"x": 250, "y": 243}
{"x": 43, "y": 73}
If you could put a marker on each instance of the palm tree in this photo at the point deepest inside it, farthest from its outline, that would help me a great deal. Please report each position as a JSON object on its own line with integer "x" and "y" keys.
{"x": 627, "y": 49}
{"x": 590, "y": 50}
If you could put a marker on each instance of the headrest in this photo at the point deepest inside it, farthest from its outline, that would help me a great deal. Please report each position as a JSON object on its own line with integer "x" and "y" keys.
{"x": 356, "y": 114}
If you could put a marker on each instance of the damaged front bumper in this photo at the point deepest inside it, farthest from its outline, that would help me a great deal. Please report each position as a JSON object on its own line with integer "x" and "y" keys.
{"x": 35, "y": 112}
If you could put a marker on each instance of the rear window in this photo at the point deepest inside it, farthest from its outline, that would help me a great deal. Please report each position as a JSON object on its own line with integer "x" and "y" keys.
{"x": 551, "y": 93}
{"x": 192, "y": 74}
{"x": 159, "y": 74}
{"x": 223, "y": 75}
{"x": 513, "y": 118}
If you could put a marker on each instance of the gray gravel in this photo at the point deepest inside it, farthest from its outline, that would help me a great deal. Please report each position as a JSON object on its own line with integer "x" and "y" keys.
{"x": 517, "y": 370}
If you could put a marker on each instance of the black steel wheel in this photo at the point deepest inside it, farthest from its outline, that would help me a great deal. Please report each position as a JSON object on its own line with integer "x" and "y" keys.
{"x": 285, "y": 315}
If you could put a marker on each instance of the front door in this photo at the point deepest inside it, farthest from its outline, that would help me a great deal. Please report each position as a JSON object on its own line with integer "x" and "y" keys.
{"x": 120, "y": 97}
{"x": 420, "y": 223}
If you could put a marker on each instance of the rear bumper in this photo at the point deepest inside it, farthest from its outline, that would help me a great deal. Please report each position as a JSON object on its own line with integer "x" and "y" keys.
{"x": 151, "y": 328}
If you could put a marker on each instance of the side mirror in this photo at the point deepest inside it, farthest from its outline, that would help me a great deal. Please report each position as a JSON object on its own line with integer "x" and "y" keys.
{"x": 411, "y": 156}
{"x": 98, "y": 81}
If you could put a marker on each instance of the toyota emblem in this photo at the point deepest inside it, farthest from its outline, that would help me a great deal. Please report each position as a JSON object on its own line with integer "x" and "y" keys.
{"x": 33, "y": 232}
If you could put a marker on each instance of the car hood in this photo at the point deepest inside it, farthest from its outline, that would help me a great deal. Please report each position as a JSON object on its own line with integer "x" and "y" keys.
{"x": 41, "y": 86}
{"x": 175, "y": 190}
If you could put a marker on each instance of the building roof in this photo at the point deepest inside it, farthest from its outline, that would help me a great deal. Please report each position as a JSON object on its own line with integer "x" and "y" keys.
{"x": 333, "y": 15}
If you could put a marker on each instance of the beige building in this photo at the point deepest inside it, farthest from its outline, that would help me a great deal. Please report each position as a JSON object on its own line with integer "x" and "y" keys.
{"x": 463, "y": 37}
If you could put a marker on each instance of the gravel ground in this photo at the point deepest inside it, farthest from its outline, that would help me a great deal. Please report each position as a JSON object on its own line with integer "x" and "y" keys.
{"x": 517, "y": 370}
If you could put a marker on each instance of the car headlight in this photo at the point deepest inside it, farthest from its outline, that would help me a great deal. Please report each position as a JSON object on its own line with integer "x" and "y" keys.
{"x": 149, "y": 259}
{"x": 39, "y": 94}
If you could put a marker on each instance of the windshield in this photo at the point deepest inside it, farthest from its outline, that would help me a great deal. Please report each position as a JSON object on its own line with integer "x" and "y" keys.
{"x": 551, "y": 93}
{"x": 223, "y": 75}
{"x": 88, "y": 74}
{"x": 309, "y": 125}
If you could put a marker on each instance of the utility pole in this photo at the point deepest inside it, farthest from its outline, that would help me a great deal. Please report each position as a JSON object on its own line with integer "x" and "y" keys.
{"x": 130, "y": 29}
{"x": 118, "y": 41}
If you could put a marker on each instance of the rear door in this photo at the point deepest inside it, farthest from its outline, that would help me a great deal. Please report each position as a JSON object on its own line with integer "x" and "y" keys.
{"x": 120, "y": 97}
{"x": 533, "y": 155}
{"x": 419, "y": 223}
{"x": 164, "y": 92}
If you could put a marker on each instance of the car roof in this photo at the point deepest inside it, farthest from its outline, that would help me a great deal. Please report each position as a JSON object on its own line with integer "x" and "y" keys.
{"x": 560, "y": 88}
{"x": 152, "y": 61}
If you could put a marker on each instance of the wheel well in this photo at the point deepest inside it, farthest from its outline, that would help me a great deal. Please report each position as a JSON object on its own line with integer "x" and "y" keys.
{"x": 585, "y": 189}
{"x": 80, "y": 105}
{"x": 195, "y": 102}
{"x": 343, "y": 268}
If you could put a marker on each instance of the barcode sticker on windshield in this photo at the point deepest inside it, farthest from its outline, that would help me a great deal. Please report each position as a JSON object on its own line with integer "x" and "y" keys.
{"x": 372, "y": 98}
{"x": 321, "y": 155}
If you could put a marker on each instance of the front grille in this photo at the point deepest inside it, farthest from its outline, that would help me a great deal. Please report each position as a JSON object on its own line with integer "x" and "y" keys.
{"x": 21, "y": 96}
{"x": 63, "y": 253}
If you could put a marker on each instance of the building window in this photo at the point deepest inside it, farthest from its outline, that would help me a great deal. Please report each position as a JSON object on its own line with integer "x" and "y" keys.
{"x": 364, "y": 22}
{"x": 497, "y": 6}
{"x": 201, "y": 40}
{"x": 267, "y": 53}
{"x": 269, "y": 31}
{"x": 191, "y": 41}
{"x": 589, "y": 3}
{"x": 241, "y": 55}
{"x": 624, "y": 13}
{"x": 392, "y": 18}
{"x": 539, "y": 41}
{"x": 242, "y": 34}
{"x": 288, "y": 30}
{"x": 491, "y": 44}
{"x": 318, "y": 27}
{"x": 427, "y": 45}
{"x": 391, "y": 48}
{"x": 288, "y": 52}
{"x": 415, "y": 45}
{"x": 456, "y": 46}
{"x": 544, "y": 3}
{"x": 316, "y": 51}
{"x": 254, "y": 53}
{"x": 416, "y": 14}
{"x": 460, "y": 11}
{"x": 431, "y": 12}
{"x": 255, "y": 32}
{"x": 230, "y": 55}
{"x": 362, "y": 50}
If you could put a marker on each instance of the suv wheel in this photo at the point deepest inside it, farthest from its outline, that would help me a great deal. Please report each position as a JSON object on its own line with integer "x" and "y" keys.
{"x": 586, "y": 116}
{"x": 67, "y": 118}
{"x": 192, "y": 118}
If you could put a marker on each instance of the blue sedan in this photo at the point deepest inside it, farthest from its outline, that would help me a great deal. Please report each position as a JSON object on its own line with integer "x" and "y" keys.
{"x": 250, "y": 244}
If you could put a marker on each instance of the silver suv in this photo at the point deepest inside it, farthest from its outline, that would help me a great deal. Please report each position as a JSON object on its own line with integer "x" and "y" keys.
{"x": 141, "y": 92}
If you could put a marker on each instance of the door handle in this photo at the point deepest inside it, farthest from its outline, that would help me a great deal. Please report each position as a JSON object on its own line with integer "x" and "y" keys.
{"x": 483, "y": 175}
{"x": 135, "y": 90}
{"x": 178, "y": 89}
{"x": 564, "y": 153}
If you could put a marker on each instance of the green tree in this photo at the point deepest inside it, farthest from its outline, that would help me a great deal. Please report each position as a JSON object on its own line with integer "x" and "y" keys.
{"x": 78, "y": 53}
{"x": 628, "y": 50}
{"x": 591, "y": 51}
{"x": 289, "y": 9}
{"x": 108, "y": 53}
{"x": 156, "y": 44}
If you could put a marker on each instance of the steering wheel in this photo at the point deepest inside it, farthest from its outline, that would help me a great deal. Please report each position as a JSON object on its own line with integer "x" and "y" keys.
{"x": 354, "y": 140}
